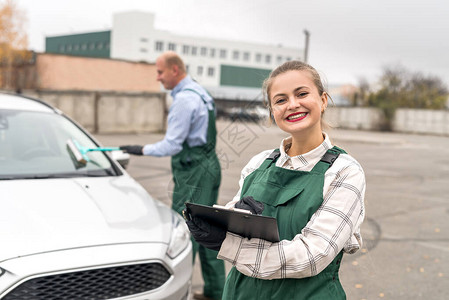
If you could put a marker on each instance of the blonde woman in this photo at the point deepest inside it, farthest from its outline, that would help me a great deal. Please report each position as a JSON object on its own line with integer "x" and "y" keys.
{"x": 314, "y": 189}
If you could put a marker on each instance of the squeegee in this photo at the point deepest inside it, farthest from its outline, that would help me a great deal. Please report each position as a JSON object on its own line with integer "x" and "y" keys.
{"x": 79, "y": 152}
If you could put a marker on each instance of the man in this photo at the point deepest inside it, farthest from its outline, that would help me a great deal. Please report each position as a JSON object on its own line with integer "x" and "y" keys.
{"x": 190, "y": 140}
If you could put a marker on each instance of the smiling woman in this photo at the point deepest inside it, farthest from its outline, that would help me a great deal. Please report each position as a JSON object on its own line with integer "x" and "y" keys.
{"x": 297, "y": 105}
{"x": 314, "y": 190}
{"x": 293, "y": 93}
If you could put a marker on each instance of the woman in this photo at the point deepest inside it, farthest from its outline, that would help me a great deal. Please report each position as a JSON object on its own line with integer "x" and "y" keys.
{"x": 314, "y": 189}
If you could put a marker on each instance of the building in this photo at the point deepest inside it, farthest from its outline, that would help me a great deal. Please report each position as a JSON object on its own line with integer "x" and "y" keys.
{"x": 228, "y": 69}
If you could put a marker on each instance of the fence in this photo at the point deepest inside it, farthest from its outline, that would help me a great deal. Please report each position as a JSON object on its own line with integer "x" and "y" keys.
{"x": 407, "y": 120}
{"x": 110, "y": 112}
{"x": 117, "y": 112}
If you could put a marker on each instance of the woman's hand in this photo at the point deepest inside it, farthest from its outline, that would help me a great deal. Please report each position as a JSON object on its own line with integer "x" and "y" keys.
{"x": 206, "y": 234}
{"x": 249, "y": 203}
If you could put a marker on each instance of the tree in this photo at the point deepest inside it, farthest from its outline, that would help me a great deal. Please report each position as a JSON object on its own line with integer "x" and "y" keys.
{"x": 13, "y": 45}
{"x": 400, "y": 88}
{"x": 425, "y": 92}
{"x": 360, "y": 96}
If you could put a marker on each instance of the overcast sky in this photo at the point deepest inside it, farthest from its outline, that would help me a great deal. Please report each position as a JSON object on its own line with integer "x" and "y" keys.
{"x": 348, "y": 39}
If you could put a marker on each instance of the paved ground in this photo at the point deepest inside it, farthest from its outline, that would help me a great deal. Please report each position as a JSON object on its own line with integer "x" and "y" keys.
{"x": 406, "y": 251}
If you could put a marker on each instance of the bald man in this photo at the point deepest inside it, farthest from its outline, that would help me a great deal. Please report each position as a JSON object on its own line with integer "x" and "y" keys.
{"x": 190, "y": 141}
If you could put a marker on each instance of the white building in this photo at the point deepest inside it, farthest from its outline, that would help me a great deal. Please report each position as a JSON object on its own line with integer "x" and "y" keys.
{"x": 228, "y": 69}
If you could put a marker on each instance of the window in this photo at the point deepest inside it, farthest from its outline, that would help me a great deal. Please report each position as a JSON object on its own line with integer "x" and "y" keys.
{"x": 199, "y": 70}
{"x": 159, "y": 46}
{"x": 143, "y": 40}
{"x": 187, "y": 68}
{"x": 258, "y": 57}
{"x": 76, "y": 47}
{"x": 61, "y": 48}
{"x": 144, "y": 50}
{"x": 210, "y": 71}
{"x": 212, "y": 52}
{"x": 92, "y": 46}
{"x": 268, "y": 58}
{"x": 279, "y": 59}
{"x": 194, "y": 50}
{"x": 245, "y": 56}
{"x": 203, "y": 51}
{"x": 289, "y": 58}
{"x": 185, "y": 49}
{"x": 171, "y": 46}
{"x": 99, "y": 45}
{"x": 235, "y": 55}
{"x": 69, "y": 47}
{"x": 223, "y": 53}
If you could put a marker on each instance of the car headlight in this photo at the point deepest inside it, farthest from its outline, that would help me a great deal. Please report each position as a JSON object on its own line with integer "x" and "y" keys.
{"x": 180, "y": 236}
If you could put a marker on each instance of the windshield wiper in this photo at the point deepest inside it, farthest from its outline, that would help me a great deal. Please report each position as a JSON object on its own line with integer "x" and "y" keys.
{"x": 92, "y": 173}
{"x": 7, "y": 178}
{"x": 39, "y": 176}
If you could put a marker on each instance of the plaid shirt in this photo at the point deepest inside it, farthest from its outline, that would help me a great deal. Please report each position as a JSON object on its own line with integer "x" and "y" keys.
{"x": 333, "y": 227}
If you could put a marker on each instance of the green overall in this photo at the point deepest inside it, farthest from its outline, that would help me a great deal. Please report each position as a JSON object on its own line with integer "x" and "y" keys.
{"x": 292, "y": 197}
{"x": 197, "y": 176}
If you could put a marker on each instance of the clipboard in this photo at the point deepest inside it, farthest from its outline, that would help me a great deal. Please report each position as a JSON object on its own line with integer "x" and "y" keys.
{"x": 244, "y": 224}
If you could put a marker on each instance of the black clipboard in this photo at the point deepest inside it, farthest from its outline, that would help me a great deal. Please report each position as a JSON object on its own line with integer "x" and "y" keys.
{"x": 244, "y": 224}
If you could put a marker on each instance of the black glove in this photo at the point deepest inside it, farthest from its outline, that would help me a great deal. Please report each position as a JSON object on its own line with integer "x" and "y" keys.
{"x": 248, "y": 203}
{"x": 132, "y": 149}
{"x": 206, "y": 234}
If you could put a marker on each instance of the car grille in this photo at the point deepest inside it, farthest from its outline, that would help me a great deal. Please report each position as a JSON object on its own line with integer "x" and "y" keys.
{"x": 106, "y": 283}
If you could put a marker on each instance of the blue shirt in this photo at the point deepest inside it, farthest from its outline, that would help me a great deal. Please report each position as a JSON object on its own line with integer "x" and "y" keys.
{"x": 187, "y": 120}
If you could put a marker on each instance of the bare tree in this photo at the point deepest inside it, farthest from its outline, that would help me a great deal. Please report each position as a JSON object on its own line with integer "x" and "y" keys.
{"x": 399, "y": 87}
{"x": 13, "y": 45}
{"x": 360, "y": 97}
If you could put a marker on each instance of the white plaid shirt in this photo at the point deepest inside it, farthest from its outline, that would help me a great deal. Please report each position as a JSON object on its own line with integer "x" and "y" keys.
{"x": 333, "y": 227}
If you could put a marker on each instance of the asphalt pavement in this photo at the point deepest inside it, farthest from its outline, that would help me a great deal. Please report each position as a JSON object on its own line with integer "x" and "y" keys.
{"x": 405, "y": 232}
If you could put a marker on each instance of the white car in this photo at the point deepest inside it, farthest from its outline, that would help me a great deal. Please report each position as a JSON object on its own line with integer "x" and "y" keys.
{"x": 71, "y": 230}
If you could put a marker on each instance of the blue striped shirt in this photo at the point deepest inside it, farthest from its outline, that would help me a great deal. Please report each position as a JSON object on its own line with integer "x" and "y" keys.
{"x": 187, "y": 120}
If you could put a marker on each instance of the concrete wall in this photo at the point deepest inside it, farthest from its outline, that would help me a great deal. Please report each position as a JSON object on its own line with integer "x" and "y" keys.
{"x": 115, "y": 112}
{"x": 422, "y": 121}
{"x": 406, "y": 120}
{"x": 132, "y": 113}
{"x": 365, "y": 118}
{"x": 110, "y": 112}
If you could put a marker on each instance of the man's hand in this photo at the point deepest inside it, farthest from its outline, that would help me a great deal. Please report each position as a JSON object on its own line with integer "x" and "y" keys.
{"x": 132, "y": 149}
{"x": 206, "y": 234}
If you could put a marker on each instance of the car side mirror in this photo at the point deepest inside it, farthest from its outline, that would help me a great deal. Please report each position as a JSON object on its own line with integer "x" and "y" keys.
{"x": 121, "y": 157}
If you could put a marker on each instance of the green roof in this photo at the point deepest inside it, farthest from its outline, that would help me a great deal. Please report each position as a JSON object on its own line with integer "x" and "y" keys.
{"x": 93, "y": 44}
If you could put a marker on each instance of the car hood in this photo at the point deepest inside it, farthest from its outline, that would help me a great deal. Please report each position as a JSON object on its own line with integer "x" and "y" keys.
{"x": 54, "y": 214}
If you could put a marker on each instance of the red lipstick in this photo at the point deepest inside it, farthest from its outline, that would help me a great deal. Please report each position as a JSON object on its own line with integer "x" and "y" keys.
{"x": 295, "y": 117}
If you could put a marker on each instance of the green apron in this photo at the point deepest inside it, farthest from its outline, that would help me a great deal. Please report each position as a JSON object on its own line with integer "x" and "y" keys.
{"x": 292, "y": 197}
{"x": 197, "y": 176}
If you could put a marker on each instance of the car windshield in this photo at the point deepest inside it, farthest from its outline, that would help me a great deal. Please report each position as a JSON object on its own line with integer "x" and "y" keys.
{"x": 33, "y": 145}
